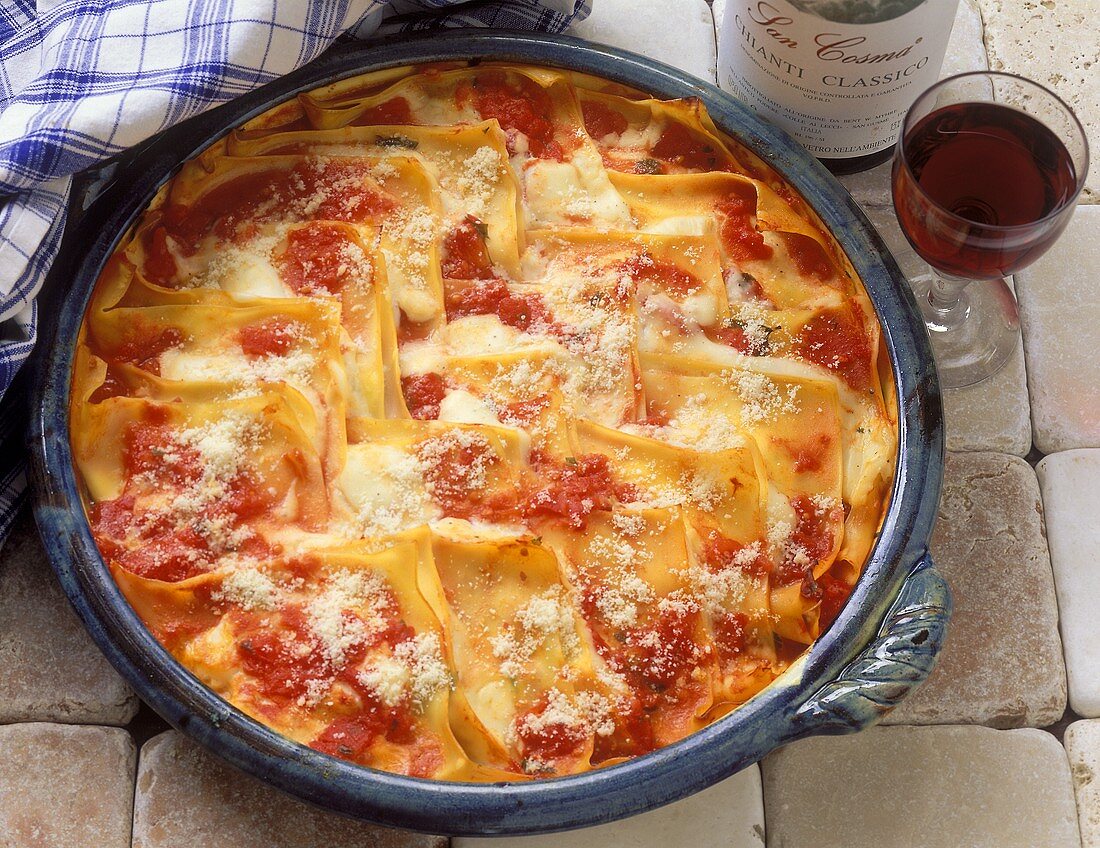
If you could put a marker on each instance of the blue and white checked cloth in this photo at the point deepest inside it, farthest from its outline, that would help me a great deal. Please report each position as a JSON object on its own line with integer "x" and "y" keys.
{"x": 82, "y": 80}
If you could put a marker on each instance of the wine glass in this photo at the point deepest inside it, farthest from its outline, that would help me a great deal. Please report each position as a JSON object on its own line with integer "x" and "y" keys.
{"x": 985, "y": 177}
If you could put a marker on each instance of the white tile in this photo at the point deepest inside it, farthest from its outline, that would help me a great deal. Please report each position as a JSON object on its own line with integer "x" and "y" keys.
{"x": 971, "y": 423}
{"x": 680, "y": 34}
{"x": 63, "y": 786}
{"x": 1070, "y": 483}
{"x": 729, "y": 814}
{"x": 188, "y": 797}
{"x": 1001, "y": 663}
{"x": 921, "y": 787}
{"x": 869, "y": 188}
{"x": 1082, "y": 741}
{"x": 1056, "y": 43}
{"x": 966, "y": 47}
{"x": 1059, "y": 299}
{"x": 49, "y": 668}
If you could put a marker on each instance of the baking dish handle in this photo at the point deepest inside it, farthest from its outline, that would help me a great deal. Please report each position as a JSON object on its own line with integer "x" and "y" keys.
{"x": 889, "y": 669}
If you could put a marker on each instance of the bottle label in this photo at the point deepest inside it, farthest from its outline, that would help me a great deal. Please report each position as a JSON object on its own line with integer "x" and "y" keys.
{"x": 837, "y": 75}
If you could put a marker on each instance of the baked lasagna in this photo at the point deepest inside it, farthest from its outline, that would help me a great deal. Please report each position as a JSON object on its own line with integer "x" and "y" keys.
{"x": 482, "y": 422}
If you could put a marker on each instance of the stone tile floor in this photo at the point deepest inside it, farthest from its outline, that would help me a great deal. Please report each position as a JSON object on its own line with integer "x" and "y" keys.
{"x": 960, "y": 783}
{"x": 1082, "y": 741}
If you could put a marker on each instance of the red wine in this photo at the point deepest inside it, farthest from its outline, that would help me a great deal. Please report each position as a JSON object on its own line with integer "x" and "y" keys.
{"x": 975, "y": 169}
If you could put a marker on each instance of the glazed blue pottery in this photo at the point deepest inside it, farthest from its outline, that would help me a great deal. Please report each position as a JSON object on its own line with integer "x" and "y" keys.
{"x": 881, "y": 647}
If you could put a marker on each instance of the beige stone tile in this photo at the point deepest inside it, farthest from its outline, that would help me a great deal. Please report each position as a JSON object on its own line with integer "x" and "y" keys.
{"x": 1056, "y": 43}
{"x": 1082, "y": 741}
{"x": 1070, "y": 483}
{"x": 966, "y": 48}
{"x": 869, "y": 188}
{"x": 187, "y": 797}
{"x": 49, "y": 668}
{"x": 1001, "y": 663}
{"x": 1060, "y": 314}
{"x": 993, "y": 415}
{"x": 729, "y": 814}
{"x": 680, "y": 34}
{"x": 921, "y": 787}
{"x": 64, "y": 786}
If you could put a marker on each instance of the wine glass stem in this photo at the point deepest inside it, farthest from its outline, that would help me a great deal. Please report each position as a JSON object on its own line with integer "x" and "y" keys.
{"x": 948, "y": 306}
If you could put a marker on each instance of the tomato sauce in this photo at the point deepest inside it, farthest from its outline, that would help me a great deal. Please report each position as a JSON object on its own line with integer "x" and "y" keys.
{"x": 447, "y": 475}
{"x": 335, "y": 191}
{"x": 315, "y": 260}
{"x": 665, "y": 276}
{"x": 112, "y": 386}
{"x": 423, "y": 394}
{"x": 808, "y": 456}
{"x": 548, "y": 741}
{"x": 160, "y": 264}
{"x": 836, "y": 339}
{"x": 569, "y": 491}
{"x": 809, "y": 257}
{"x": 167, "y": 554}
{"x": 393, "y": 111}
{"x": 525, "y": 413}
{"x": 813, "y": 534}
{"x": 465, "y": 255}
{"x": 680, "y": 147}
{"x": 339, "y": 187}
{"x": 520, "y": 105}
{"x": 735, "y": 337}
{"x": 221, "y": 209}
{"x": 413, "y": 331}
{"x": 350, "y": 737}
{"x": 730, "y": 635}
{"x": 721, "y": 552}
{"x": 633, "y": 734}
{"x": 738, "y": 234}
{"x": 150, "y": 447}
{"x": 493, "y": 297}
{"x": 833, "y": 593}
{"x": 601, "y": 120}
{"x": 144, "y": 343}
{"x": 653, "y": 666}
{"x": 157, "y": 546}
{"x": 281, "y": 668}
{"x": 274, "y": 337}
{"x": 248, "y": 498}
{"x": 162, "y": 553}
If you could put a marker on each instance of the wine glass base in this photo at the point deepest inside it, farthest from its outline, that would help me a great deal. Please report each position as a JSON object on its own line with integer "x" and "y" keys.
{"x": 974, "y": 340}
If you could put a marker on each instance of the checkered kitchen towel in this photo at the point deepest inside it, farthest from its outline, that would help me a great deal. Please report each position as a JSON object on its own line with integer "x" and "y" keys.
{"x": 82, "y": 80}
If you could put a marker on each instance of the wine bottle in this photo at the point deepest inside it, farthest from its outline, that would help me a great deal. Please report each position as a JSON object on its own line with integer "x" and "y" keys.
{"x": 838, "y": 75}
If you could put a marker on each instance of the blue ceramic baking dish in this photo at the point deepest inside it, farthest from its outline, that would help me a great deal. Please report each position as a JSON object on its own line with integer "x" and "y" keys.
{"x": 881, "y": 647}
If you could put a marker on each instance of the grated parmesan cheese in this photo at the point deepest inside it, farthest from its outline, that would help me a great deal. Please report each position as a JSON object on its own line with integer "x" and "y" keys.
{"x": 543, "y": 617}
{"x": 700, "y": 426}
{"x": 477, "y": 179}
{"x": 725, "y": 589}
{"x": 761, "y": 397}
{"x": 586, "y": 712}
{"x": 337, "y": 632}
{"x": 249, "y": 588}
